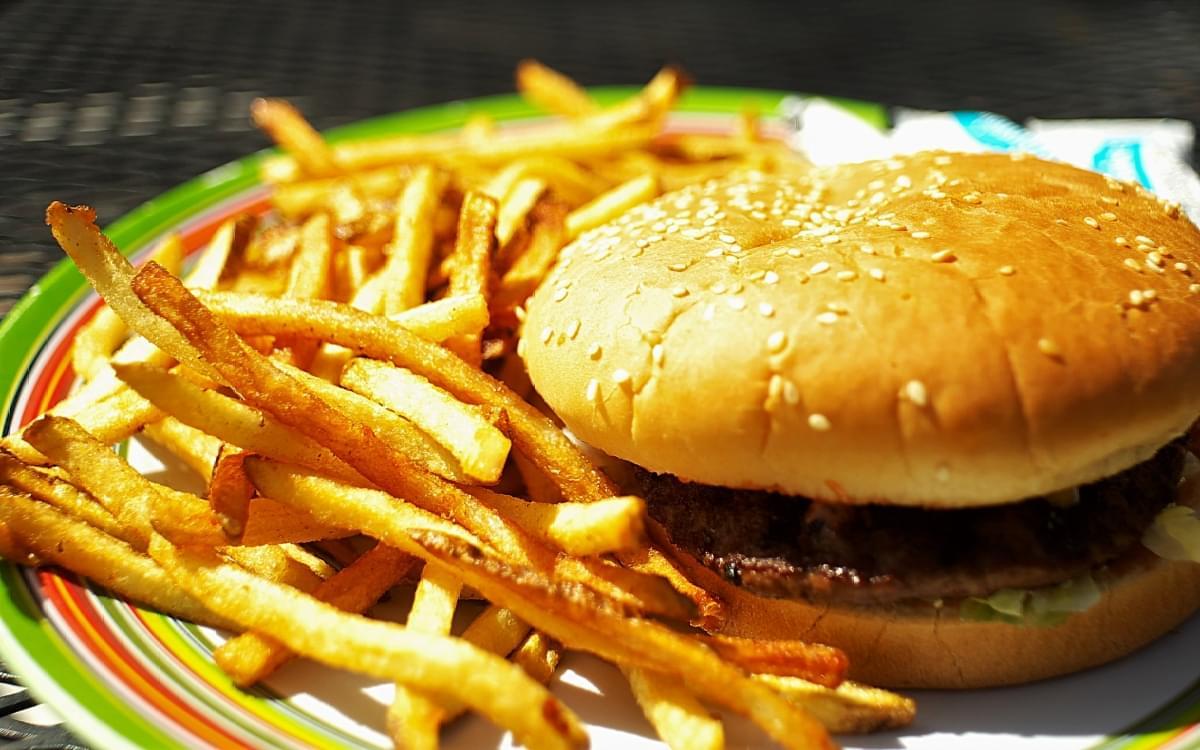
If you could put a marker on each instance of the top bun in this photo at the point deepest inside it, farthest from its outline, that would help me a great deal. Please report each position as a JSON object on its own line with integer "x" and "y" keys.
{"x": 941, "y": 330}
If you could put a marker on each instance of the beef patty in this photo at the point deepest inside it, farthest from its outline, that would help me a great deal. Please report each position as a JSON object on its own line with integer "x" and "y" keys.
{"x": 791, "y": 547}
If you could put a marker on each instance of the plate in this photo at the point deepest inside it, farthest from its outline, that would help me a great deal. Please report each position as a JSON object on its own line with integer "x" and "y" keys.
{"x": 124, "y": 677}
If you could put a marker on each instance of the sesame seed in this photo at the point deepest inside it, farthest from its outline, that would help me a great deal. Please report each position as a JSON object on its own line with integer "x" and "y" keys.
{"x": 791, "y": 393}
{"x": 770, "y": 277}
{"x": 776, "y": 342}
{"x": 1109, "y": 200}
{"x": 827, "y": 318}
{"x": 868, "y": 249}
{"x": 790, "y": 223}
{"x": 1007, "y": 270}
{"x": 942, "y": 256}
{"x": 1108, "y": 216}
{"x": 920, "y": 235}
{"x": 1133, "y": 264}
{"x": 775, "y": 387}
{"x": 936, "y": 194}
{"x": 519, "y": 312}
{"x": 709, "y": 311}
{"x": 679, "y": 291}
{"x": 594, "y": 351}
{"x": 656, "y": 354}
{"x": 716, "y": 252}
{"x": 1155, "y": 257}
{"x": 678, "y": 266}
{"x": 1144, "y": 240}
{"x": 1091, "y": 222}
{"x": 521, "y": 348}
{"x": 846, "y": 275}
{"x": 621, "y": 376}
{"x": 818, "y": 268}
{"x": 1049, "y": 348}
{"x": 877, "y": 274}
{"x": 915, "y": 391}
{"x": 1181, "y": 266}
{"x": 573, "y": 329}
{"x": 971, "y": 198}
{"x": 1154, "y": 266}
{"x": 819, "y": 422}
{"x": 1135, "y": 297}
{"x": 560, "y": 294}
{"x": 718, "y": 288}
{"x": 794, "y": 252}
{"x": 736, "y": 303}
{"x": 1194, "y": 288}
{"x": 765, "y": 309}
{"x": 1121, "y": 241}
{"x": 547, "y": 334}
{"x": 1149, "y": 294}
{"x": 728, "y": 239}
{"x": 831, "y": 239}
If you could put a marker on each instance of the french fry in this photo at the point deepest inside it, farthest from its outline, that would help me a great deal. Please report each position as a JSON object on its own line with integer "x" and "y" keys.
{"x": 271, "y": 522}
{"x": 538, "y": 656}
{"x": 231, "y": 421}
{"x": 59, "y": 539}
{"x": 489, "y": 684}
{"x": 608, "y": 206}
{"x": 814, "y": 662}
{"x": 396, "y": 430}
{"x": 677, "y": 717}
{"x": 230, "y": 238}
{"x": 850, "y": 708}
{"x": 133, "y": 499}
{"x": 252, "y": 656}
{"x": 627, "y": 640}
{"x": 516, "y": 205}
{"x": 195, "y": 448}
{"x": 710, "y": 610}
{"x": 411, "y": 248}
{"x": 528, "y": 270}
{"x": 66, "y": 497}
{"x": 298, "y": 199}
{"x": 229, "y": 493}
{"x": 413, "y": 716}
{"x": 471, "y": 270}
{"x": 610, "y": 525}
{"x": 478, "y": 446}
{"x": 289, "y": 129}
{"x": 552, "y": 91}
{"x": 96, "y": 341}
{"x": 251, "y": 315}
{"x": 110, "y": 274}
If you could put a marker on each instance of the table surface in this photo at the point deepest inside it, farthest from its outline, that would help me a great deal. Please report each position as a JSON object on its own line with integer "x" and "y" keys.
{"x": 111, "y": 103}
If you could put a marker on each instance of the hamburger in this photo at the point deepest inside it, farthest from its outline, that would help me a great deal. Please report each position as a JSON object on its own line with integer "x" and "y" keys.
{"x": 925, "y": 409}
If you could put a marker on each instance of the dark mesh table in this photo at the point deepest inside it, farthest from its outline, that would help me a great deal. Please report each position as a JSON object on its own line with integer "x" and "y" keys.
{"x": 111, "y": 103}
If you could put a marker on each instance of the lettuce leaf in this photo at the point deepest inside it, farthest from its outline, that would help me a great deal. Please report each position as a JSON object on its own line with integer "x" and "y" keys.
{"x": 1174, "y": 534}
{"x": 1041, "y": 607}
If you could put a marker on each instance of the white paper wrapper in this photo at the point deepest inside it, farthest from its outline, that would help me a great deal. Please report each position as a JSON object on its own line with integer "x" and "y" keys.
{"x": 1152, "y": 152}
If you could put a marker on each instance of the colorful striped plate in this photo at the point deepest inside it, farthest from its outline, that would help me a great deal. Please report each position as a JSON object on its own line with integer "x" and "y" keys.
{"x": 124, "y": 677}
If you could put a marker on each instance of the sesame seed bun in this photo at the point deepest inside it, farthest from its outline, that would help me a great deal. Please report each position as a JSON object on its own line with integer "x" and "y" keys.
{"x": 940, "y": 330}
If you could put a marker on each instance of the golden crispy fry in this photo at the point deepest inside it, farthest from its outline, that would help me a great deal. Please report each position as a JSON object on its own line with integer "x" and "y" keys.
{"x": 580, "y": 140}
{"x": 50, "y": 489}
{"x": 395, "y": 430}
{"x": 110, "y": 274}
{"x": 850, "y": 708}
{"x": 298, "y": 199}
{"x": 231, "y": 421}
{"x": 478, "y": 446}
{"x": 814, "y": 662}
{"x": 471, "y": 270}
{"x": 631, "y": 641}
{"x": 528, "y": 270}
{"x": 411, "y": 248}
{"x": 595, "y": 528}
{"x": 252, "y": 656}
{"x": 289, "y": 129}
{"x": 133, "y": 499}
{"x": 496, "y": 630}
{"x": 413, "y": 717}
{"x": 678, "y": 718}
{"x": 229, "y": 240}
{"x": 271, "y": 522}
{"x": 568, "y": 180}
{"x": 552, "y": 91}
{"x": 309, "y": 277}
{"x": 489, "y": 684}
{"x": 608, "y": 206}
{"x": 96, "y": 341}
{"x": 195, "y": 448}
{"x": 252, "y": 315}
{"x": 229, "y": 493}
{"x": 281, "y": 563}
{"x": 710, "y": 610}
{"x": 538, "y": 656}
{"x": 516, "y": 205}
{"x": 58, "y": 539}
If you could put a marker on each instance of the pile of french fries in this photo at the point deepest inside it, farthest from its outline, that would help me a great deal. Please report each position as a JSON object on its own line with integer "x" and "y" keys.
{"x": 343, "y": 373}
